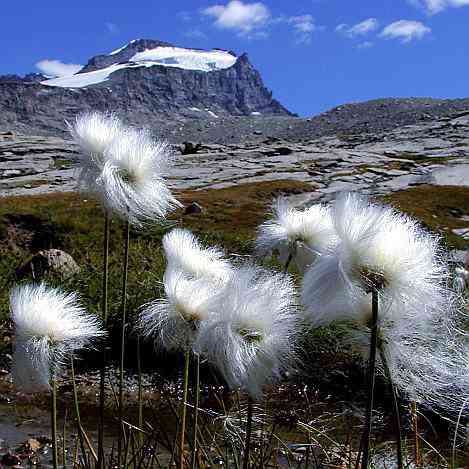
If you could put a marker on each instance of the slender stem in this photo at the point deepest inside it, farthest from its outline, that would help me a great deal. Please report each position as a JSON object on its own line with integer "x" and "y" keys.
{"x": 184, "y": 409}
{"x": 415, "y": 429}
{"x": 140, "y": 391}
{"x": 196, "y": 411}
{"x": 124, "y": 319}
{"x": 287, "y": 264}
{"x": 247, "y": 441}
{"x": 64, "y": 437}
{"x": 100, "y": 464}
{"x": 396, "y": 413}
{"x": 55, "y": 459}
{"x": 77, "y": 407}
{"x": 371, "y": 378}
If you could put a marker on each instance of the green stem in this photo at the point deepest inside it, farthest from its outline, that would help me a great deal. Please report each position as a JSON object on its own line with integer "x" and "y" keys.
{"x": 55, "y": 459}
{"x": 196, "y": 411}
{"x": 77, "y": 407}
{"x": 100, "y": 464}
{"x": 64, "y": 437}
{"x": 184, "y": 409}
{"x": 371, "y": 378}
{"x": 396, "y": 413}
{"x": 415, "y": 429}
{"x": 287, "y": 264}
{"x": 124, "y": 319}
{"x": 247, "y": 441}
{"x": 140, "y": 391}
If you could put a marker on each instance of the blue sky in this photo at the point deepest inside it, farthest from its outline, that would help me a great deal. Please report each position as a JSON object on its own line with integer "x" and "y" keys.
{"x": 313, "y": 54}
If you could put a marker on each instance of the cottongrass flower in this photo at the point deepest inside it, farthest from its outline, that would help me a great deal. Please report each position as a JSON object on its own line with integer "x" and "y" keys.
{"x": 297, "y": 235}
{"x": 50, "y": 325}
{"x": 251, "y": 333}
{"x": 124, "y": 168}
{"x": 174, "y": 321}
{"x": 379, "y": 248}
{"x": 94, "y": 132}
{"x": 194, "y": 274}
{"x": 419, "y": 334}
{"x": 185, "y": 254}
{"x": 132, "y": 178}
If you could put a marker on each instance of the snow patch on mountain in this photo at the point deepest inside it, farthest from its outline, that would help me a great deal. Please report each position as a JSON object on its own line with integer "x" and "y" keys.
{"x": 80, "y": 80}
{"x": 188, "y": 59}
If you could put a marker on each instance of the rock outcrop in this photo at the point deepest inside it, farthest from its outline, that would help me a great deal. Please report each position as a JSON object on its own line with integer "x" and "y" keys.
{"x": 435, "y": 152}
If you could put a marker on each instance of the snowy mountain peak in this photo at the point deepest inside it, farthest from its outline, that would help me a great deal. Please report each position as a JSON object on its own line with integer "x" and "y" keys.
{"x": 145, "y": 53}
{"x": 146, "y": 82}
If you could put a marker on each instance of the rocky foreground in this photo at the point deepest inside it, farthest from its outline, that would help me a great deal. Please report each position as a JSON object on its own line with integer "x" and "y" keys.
{"x": 435, "y": 152}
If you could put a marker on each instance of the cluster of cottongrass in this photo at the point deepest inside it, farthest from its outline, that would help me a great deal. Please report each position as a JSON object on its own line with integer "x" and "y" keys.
{"x": 353, "y": 253}
{"x": 245, "y": 320}
{"x": 242, "y": 318}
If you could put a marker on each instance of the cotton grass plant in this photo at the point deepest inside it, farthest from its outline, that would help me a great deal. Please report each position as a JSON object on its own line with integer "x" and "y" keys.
{"x": 124, "y": 169}
{"x": 387, "y": 275}
{"x": 193, "y": 275}
{"x": 243, "y": 320}
{"x": 50, "y": 327}
{"x": 296, "y": 235}
{"x": 251, "y": 334}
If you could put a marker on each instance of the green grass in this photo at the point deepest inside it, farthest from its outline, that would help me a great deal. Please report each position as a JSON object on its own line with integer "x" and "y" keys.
{"x": 230, "y": 217}
{"x": 439, "y": 208}
{"x": 75, "y": 224}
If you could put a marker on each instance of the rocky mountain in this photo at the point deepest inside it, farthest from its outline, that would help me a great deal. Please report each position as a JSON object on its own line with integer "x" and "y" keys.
{"x": 146, "y": 82}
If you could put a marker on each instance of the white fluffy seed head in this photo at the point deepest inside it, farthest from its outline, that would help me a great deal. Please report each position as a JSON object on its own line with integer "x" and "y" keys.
{"x": 131, "y": 182}
{"x": 251, "y": 333}
{"x": 378, "y": 247}
{"x": 124, "y": 168}
{"x": 184, "y": 253}
{"x": 94, "y": 132}
{"x": 302, "y": 234}
{"x": 49, "y": 324}
{"x": 174, "y": 322}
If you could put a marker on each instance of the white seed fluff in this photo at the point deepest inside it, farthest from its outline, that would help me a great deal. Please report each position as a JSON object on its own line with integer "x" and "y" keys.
{"x": 301, "y": 234}
{"x": 49, "y": 325}
{"x": 376, "y": 246}
{"x": 174, "y": 321}
{"x": 184, "y": 253}
{"x": 251, "y": 333}
{"x": 124, "y": 168}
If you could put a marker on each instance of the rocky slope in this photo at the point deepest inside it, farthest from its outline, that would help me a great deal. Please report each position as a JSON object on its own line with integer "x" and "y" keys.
{"x": 146, "y": 83}
{"x": 372, "y": 162}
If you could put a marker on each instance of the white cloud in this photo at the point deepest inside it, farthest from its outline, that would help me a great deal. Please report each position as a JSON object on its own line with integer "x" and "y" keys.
{"x": 112, "y": 28}
{"x": 239, "y": 16}
{"x": 360, "y": 29}
{"x": 405, "y": 30}
{"x": 303, "y": 26}
{"x": 56, "y": 68}
{"x": 436, "y": 6}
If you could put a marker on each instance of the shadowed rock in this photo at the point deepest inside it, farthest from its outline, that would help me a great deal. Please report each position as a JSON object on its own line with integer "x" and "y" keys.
{"x": 51, "y": 261}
